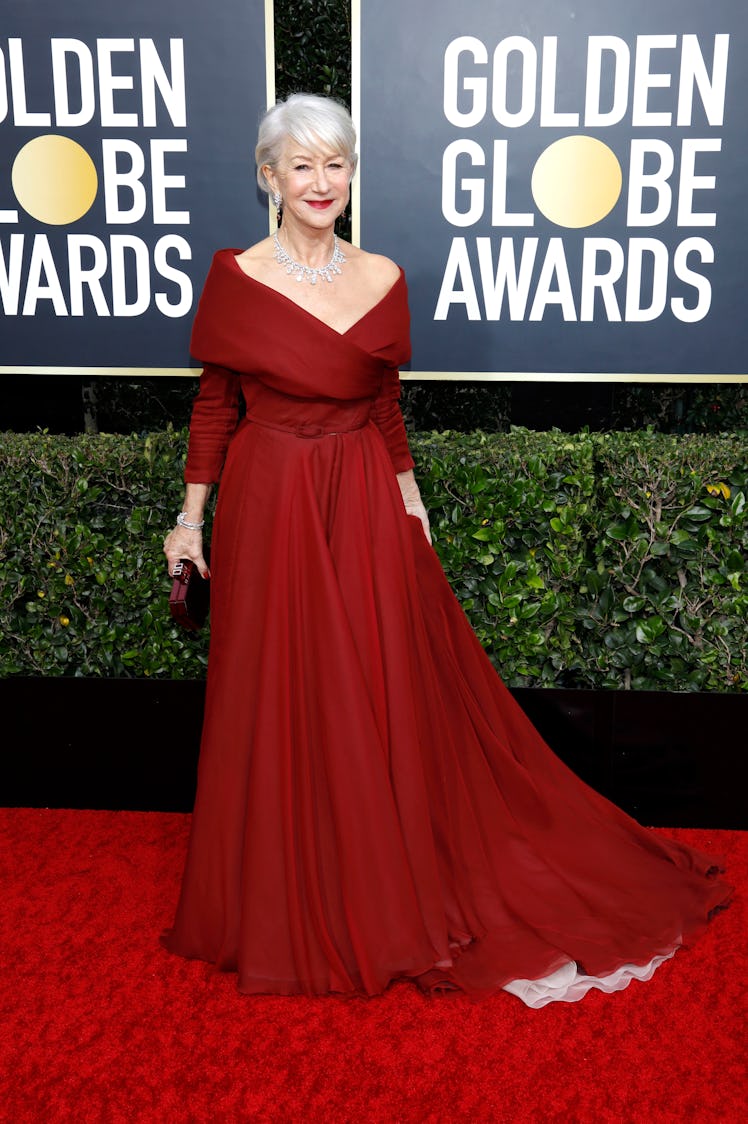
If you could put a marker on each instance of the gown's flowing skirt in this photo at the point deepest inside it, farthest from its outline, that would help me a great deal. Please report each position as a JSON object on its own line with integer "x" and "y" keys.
{"x": 372, "y": 803}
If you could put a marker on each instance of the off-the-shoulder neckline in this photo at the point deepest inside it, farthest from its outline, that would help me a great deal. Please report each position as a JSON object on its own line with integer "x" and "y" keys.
{"x": 232, "y": 254}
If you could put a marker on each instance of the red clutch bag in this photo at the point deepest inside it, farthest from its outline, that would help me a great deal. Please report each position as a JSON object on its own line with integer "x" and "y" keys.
{"x": 189, "y": 600}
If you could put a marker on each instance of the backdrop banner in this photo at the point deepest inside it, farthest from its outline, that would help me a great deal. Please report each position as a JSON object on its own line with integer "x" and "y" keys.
{"x": 126, "y": 159}
{"x": 564, "y": 183}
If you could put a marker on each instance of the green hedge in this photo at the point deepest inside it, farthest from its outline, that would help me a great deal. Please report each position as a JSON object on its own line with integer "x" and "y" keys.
{"x": 589, "y": 560}
{"x": 597, "y": 560}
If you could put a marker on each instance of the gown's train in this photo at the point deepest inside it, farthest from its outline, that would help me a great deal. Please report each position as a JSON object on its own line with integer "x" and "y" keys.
{"x": 372, "y": 804}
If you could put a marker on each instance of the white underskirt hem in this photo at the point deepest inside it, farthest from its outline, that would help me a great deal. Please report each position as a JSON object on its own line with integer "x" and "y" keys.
{"x": 568, "y": 985}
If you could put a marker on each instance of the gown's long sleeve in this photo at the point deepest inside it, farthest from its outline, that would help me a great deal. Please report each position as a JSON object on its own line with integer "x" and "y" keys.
{"x": 214, "y": 419}
{"x": 388, "y": 418}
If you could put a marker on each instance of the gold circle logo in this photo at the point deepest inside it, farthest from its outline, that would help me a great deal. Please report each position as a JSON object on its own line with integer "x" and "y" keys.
{"x": 54, "y": 180}
{"x": 577, "y": 181}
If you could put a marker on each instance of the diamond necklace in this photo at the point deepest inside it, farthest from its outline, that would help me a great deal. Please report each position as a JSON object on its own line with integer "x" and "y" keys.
{"x": 308, "y": 272}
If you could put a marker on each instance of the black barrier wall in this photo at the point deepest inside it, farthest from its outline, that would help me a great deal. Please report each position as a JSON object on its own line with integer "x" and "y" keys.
{"x": 668, "y": 759}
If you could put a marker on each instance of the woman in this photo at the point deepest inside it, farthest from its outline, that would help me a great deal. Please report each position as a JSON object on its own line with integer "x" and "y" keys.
{"x": 372, "y": 804}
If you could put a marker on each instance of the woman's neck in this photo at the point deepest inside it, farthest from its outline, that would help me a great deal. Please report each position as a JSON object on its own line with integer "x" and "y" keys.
{"x": 308, "y": 247}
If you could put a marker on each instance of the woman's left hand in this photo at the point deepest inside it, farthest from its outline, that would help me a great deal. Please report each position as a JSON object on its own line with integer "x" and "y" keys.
{"x": 419, "y": 511}
{"x": 183, "y": 543}
{"x": 412, "y": 501}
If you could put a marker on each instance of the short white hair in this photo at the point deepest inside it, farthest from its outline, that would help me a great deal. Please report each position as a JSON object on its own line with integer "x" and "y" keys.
{"x": 313, "y": 121}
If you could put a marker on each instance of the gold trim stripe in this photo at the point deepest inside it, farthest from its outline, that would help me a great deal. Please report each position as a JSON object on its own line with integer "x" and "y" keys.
{"x": 269, "y": 53}
{"x": 270, "y": 82}
{"x": 564, "y": 376}
{"x": 406, "y": 376}
{"x": 95, "y": 372}
{"x": 356, "y": 115}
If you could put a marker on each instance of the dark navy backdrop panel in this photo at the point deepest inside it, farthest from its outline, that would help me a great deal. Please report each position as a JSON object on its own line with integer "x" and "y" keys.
{"x": 207, "y": 157}
{"x": 648, "y": 287}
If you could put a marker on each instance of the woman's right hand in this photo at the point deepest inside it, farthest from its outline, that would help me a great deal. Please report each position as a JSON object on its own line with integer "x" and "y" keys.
{"x": 183, "y": 543}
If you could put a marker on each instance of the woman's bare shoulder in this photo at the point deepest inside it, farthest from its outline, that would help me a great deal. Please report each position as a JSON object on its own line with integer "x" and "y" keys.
{"x": 257, "y": 261}
{"x": 260, "y": 251}
{"x": 382, "y": 272}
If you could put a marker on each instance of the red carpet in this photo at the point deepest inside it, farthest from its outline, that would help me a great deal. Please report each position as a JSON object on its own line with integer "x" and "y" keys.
{"x": 99, "y": 1023}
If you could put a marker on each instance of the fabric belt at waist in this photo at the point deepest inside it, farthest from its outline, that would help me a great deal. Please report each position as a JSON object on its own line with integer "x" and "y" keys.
{"x": 308, "y": 429}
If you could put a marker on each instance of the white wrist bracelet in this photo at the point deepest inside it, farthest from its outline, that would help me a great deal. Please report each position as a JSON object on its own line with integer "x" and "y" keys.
{"x": 182, "y": 521}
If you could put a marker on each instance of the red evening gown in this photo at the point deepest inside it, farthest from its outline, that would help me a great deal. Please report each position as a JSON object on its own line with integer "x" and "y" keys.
{"x": 372, "y": 804}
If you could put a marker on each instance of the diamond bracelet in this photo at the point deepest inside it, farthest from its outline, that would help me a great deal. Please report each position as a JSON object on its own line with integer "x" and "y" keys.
{"x": 182, "y": 521}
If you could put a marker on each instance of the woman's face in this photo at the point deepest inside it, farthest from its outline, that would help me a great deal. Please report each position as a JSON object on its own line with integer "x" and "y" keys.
{"x": 314, "y": 184}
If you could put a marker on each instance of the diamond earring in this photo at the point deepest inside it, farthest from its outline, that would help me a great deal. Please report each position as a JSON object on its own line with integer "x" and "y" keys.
{"x": 278, "y": 204}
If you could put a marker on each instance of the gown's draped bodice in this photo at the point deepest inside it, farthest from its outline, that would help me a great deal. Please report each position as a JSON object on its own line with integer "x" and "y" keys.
{"x": 306, "y": 417}
{"x": 372, "y": 803}
{"x": 292, "y": 369}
